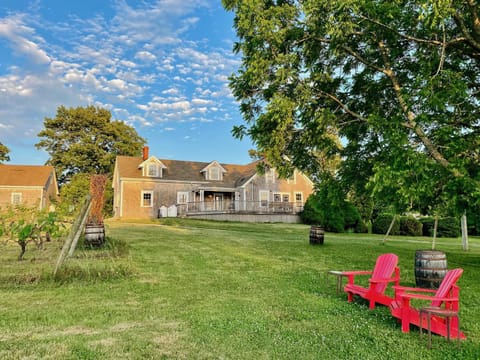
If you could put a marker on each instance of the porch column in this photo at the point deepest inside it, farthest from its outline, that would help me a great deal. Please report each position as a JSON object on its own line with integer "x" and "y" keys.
{"x": 237, "y": 200}
{"x": 202, "y": 200}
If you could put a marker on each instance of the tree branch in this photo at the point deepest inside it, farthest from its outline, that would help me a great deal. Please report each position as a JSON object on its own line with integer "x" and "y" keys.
{"x": 343, "y": 106}
{"x": 411, "y": 117}
{"x": 469, "y": 38}
{"x": 415, "y": 39}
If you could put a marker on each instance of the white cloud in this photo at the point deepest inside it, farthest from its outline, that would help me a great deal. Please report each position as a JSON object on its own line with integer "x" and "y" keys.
{"x": 154, "y": 23}
{"x": 171, "y": 91}
{"x": 118, "y": 84}
{"x": 145, "y": 56}
{"x": 201, "y": 102}
{"x": 19, "y": 37}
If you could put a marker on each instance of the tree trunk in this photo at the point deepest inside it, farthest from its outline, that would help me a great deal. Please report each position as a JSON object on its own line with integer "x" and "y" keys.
{"x": 23, "y": 246}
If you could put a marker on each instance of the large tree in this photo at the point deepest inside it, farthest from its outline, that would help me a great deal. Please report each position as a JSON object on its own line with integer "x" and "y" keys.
{"x": 4, "y": 153}
{"x": 398, "y": 81}
{"x": 86, "y": 140}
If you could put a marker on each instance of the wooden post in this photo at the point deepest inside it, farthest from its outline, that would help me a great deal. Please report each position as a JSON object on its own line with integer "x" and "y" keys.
{"x": 389, "y": 228}
{"x": 74, "y": 233}
{"x": 464, "y": 232}
{"x": 435, "y": 227}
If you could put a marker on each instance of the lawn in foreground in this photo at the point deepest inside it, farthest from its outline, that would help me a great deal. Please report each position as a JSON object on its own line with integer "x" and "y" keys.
{"x": 213, "y": 290}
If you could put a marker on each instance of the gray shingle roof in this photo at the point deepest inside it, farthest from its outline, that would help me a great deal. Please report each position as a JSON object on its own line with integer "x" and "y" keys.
{"x": 188, "y": 171}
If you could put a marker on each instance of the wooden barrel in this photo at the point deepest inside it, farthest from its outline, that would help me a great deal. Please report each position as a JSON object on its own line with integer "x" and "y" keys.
{"x": 430, "y": 268}
{"x": 94, "y": 235}
{"x": 317, "y": 234}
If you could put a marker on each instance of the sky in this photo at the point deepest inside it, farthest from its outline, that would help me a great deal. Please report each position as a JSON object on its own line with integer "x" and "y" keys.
{"x": 161, "y": 66}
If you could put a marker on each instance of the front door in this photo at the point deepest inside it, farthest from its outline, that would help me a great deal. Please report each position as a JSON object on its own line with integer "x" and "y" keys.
{"x": 218, "y": 201}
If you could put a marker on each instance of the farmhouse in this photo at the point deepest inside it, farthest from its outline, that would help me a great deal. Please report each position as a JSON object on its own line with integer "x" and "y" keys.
{"x": 148, "y": 187}
{"x": 29, "y": 185}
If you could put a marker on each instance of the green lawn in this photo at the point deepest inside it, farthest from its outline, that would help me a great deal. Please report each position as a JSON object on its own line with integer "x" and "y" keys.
{"x": 182, "y": 289}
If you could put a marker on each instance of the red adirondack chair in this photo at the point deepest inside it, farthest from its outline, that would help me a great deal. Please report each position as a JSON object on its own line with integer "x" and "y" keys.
{"x": 385, "y": 272}
{"x": 445, "y": 297}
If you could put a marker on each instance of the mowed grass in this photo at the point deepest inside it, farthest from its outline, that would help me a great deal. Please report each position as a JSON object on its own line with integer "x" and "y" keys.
{"x": 189, "y": 289}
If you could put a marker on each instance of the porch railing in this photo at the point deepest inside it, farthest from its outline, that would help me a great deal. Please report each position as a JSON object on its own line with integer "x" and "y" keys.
{"x": 228, "y": 206}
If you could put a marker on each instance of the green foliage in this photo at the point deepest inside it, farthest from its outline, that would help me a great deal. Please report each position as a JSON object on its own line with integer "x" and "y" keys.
{"x": 4, "y": 153}
{"x": 473, "y": 223}
{"x": 381, "y": 224}
{"x": 73, "y": 193}
{"x": 361, "y": 228}
{"x": 327, "y": 207}
{"x": 397, "y": 81}
{"x": 26, "y": 224}
{"x": 410, "y": 226}
{"x": 447, "y": 227}
{"x": 86, "y": 140}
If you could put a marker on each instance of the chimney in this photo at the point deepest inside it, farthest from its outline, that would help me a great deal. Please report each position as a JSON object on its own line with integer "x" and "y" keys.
{"x": 145, "y": 153}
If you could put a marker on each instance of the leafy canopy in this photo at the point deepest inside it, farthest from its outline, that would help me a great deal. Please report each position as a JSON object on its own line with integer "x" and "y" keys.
{"x": 86, "y": 140}
{"x": 4, "y": 153}
{"x": 397, "y": 81}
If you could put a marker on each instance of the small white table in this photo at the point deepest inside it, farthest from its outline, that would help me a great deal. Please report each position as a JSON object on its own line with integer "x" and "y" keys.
{"x": 339, "y": 275}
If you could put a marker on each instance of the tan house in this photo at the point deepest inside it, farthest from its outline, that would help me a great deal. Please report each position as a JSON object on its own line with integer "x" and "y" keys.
{"x": 30, "y": 185}
{"x": 148, "y": 187}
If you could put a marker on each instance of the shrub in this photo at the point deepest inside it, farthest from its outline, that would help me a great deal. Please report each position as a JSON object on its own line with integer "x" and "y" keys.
{"x": 361, "y": 227}
{"x": 410, "y": 226}
{"x": 447, "y": 227}
{"x": 381, "y": 224}
{"x": 328, "y": 208}
{"x": 427, "y": 226}
{"x": 473, "y": 223}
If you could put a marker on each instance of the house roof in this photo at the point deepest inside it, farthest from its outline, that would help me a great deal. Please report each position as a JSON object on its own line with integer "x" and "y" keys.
{"x": 25, "y": 175}
{"x": 188, "y": 171}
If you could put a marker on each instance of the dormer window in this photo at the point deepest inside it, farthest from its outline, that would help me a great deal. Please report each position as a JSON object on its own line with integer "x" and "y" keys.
{"x": 152, "y": 167}
{"x": 153, "y": 170}
{"x": 214, "y": 171}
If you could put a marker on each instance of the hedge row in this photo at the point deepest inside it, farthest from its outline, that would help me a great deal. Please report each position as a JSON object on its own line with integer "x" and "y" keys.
{"x": 408, "y": 225}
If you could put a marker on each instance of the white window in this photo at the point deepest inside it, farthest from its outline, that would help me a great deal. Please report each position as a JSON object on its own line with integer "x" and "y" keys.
{"x": 299, "y": 197}
{"x": 182, "y": 197}
{"x": 152, "y": 170}
{"x": 16, "y": 198}
{"x": 270, "y": 176}
{"x": 286, "y": 197}
{"x": 214, "y": 173}
{"x": 147, "y": 199}
{"x": 277, "y": 197}
{"x": 263, "y": 198}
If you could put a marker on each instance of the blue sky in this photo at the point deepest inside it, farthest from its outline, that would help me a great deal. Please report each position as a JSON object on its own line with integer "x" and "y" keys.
{"x": 161, "y": 66}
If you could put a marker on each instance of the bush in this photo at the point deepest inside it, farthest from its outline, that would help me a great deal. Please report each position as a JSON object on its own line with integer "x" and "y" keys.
{"x": 473, "y": 223}
{"x": 381, "y": 224}
{"x": 447, "y": 227}
{"x": 361, "y": 227}
{"x": 410, "y": 226}
{"x": 427, "y": 226}
{"x": 328, "y": 208}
